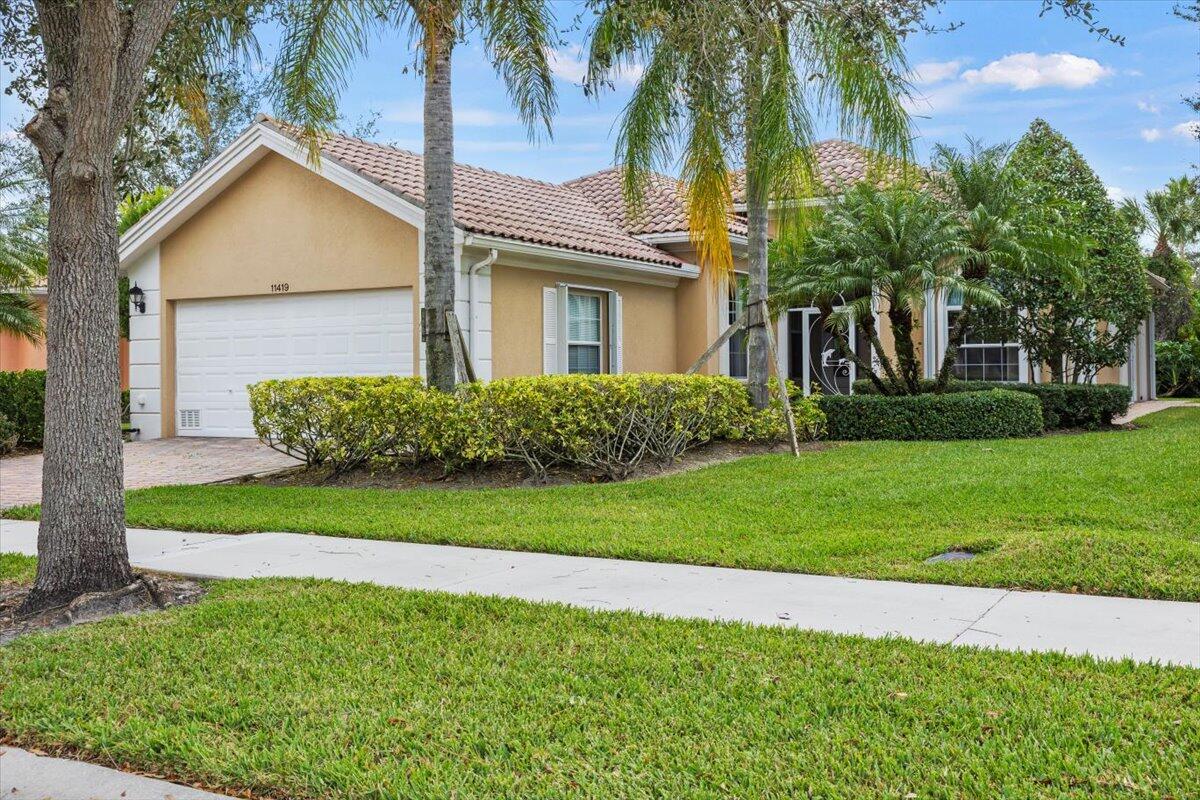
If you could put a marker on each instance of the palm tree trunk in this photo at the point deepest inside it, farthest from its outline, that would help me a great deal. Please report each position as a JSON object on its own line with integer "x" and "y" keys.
{"x": 906, "y": 356}
{"x": 439, "y": 209}
{"x": 885, "y": 362}
{"x": 954, "y": 341}
{"x": 758, "y": 349}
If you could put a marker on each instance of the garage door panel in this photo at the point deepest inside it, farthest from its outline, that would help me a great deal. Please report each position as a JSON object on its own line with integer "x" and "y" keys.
{"x": 224, "y": 345}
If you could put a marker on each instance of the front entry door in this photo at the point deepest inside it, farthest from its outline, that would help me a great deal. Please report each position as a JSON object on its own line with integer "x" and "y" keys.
{"x": 813, "y": 360}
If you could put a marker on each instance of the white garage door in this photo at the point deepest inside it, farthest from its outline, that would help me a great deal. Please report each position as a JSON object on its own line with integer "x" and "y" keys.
{"x": 221, "y": 346}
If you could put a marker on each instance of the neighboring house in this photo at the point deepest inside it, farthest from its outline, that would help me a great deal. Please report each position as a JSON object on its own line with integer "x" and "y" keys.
{"x": 264, "y": 265}
{"x": 18, "y": 353}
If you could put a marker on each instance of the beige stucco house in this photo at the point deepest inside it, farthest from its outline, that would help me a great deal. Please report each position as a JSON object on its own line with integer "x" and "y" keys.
{"x": 266, "y": 265}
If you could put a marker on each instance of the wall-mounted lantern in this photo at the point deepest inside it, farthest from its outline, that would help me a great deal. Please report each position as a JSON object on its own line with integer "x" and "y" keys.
{"x": 137, "y": 298}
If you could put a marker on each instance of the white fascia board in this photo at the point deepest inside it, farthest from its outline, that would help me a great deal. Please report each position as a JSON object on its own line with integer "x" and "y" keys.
{"x": 604, "y": 265}
{"x": 683, "y": 237}
{"x": 245, "y": 151}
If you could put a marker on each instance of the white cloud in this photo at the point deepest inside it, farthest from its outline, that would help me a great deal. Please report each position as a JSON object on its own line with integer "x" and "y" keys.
{"x": 1184, "y": 130}
{"x": 1115, "y": 193}
{"x": 1188, "y": 130}
{"x": 1149, "y": 108}
{"x": 928, "y": 72}
{"x": 1024, "y": 71}
{"x": 568, "y": 64}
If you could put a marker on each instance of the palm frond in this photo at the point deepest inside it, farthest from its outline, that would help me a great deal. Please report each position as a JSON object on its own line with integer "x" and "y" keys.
{"x": 320, "y": 42}
{"x": 516, "y": 36}
{"x": 19, "y": 315}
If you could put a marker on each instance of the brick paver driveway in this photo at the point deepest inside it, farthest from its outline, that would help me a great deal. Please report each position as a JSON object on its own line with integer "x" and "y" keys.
{"x": 157, "y": 462}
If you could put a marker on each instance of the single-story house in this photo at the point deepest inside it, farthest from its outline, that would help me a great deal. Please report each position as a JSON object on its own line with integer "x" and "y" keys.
{"x": 266, "y": 265}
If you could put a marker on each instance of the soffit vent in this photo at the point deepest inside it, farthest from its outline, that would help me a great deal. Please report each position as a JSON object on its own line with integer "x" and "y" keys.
{"x": 189, "y": 418}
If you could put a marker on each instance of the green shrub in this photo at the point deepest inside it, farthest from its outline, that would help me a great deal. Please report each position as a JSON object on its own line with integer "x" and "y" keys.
{"x": 1178, "y": 368}
{"x": 992, "y": 414}
{"x": 340, "y": 422}
{"x": 610, "y": 423}
{"x": 606, "y": 424}
{"x": 23, "y": 403}
{"x": 8, "y": 436}
{"x": 1064, "y": 405}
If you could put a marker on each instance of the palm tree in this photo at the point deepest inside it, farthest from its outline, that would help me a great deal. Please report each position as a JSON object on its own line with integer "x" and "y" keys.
{"x": 879, "y": 249}
{"x": 22, "y": 240}
{"x": 1000, "y": 231}
{"x": 1171, "y": 215}
{"x": 730, "y": 81}
{"x": 321, "y": 40}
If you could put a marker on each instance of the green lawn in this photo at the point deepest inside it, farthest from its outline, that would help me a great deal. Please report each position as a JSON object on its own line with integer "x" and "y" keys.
{"x": 1109, "y": 513}
{"x": 309, "y": 689}
{"x": 15, "y": 568}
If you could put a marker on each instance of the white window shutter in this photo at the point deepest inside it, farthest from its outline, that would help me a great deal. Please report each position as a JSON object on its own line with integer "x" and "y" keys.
{"x": 550, "y": 330}
{"x": 615, "y": 328}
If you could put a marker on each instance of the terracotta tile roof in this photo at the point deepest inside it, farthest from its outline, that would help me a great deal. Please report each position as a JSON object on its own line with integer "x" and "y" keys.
{"x": 492, "y": 203}
{"x": 839, "y": 164}
{"x": 664, "y": 210}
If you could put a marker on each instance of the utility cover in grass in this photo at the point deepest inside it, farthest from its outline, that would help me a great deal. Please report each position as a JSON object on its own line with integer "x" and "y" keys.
{"x": 950, "y": 555}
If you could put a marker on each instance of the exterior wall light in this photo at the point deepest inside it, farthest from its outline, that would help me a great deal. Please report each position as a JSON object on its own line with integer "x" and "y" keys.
{"x": 137, "y": 298}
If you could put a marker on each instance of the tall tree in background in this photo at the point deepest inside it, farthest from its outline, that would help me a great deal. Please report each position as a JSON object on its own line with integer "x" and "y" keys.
{"x": 93, "y": 58}
{"x": 730, "y": 82}
{"x": 1171, "y": 216}
{"x": 321, "y": 40}
{"x": 1077, "y": 330}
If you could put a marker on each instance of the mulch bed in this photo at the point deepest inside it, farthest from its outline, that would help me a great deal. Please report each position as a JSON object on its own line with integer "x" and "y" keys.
{"x": 505, "y": 475}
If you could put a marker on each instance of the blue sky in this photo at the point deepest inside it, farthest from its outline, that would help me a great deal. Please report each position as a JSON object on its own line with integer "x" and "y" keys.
{"x": 1005, "y": 65}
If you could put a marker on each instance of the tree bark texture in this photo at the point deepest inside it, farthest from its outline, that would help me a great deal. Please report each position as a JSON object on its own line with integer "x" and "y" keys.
{"x": 439, "y": 211}
{"x": 758, "y": 349}
{"x": 906, "y": 356}
{"x": 96, "y": 54}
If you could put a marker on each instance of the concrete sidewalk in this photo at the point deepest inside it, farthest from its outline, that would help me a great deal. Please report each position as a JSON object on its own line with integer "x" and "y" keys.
{"x": 25, "y": 776}
{"x": 1106, "y": 627}
{"x": 1144, "y": 407}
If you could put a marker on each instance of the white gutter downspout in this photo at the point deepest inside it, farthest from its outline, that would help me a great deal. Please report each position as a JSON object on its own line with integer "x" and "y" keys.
{"x": 472, "y": 271}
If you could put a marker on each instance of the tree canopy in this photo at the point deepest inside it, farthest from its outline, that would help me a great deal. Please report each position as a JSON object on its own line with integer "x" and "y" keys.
{"x": 1077, "y": 330}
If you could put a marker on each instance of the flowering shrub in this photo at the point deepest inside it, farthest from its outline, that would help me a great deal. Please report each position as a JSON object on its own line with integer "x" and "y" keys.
{"x": 606, "y": 424}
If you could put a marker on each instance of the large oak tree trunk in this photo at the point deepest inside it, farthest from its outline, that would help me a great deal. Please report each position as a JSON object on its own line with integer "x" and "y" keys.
{"x": 96, "y": 53}
{"x": 81, "y": 538}
{"x": 758, "y": 348}
{"x": 439, "y": 213}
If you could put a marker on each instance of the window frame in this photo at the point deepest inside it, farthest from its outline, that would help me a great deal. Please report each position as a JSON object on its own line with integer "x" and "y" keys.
{"x": 948, "y": 309}
{"x": 602, "y": 344}
{"x": 731, "y": 310}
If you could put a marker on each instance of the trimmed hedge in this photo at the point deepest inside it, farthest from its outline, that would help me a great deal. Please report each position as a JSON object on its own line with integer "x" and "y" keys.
{"x": 993, "y": 414}
{"x": 606, "y": 424}
{"x": 23, "y": 403}
{"x": 8, "y": 436}
{"x": 1178, "y": 368}
{"x": 1064, "y": 405}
